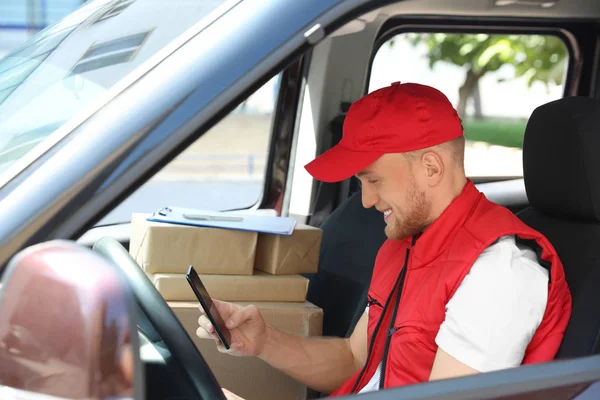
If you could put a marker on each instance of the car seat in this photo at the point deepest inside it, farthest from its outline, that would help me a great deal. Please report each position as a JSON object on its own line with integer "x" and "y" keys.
{"x": 352, "y": 236}
{"x": 561, "y": 157}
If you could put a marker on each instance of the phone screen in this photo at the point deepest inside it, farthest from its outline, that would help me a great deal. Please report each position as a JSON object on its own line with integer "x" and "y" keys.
{"x": 209, "y": 308}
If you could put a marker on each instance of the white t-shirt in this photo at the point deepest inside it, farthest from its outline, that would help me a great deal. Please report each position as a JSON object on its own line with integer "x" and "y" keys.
{"x": 495, "y": 311}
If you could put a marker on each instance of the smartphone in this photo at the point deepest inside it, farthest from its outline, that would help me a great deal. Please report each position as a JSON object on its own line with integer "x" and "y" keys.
{"x": 209, "y": 308}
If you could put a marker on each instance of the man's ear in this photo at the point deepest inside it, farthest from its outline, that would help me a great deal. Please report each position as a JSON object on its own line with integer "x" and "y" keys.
{"x": 433, "y": 166}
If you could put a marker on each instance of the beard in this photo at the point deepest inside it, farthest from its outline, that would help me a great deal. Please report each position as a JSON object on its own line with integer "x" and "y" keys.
{"x": 416, "y": 218}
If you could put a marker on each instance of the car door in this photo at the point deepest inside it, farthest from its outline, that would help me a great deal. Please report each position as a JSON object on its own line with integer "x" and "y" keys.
{"x": 573, "y": 379}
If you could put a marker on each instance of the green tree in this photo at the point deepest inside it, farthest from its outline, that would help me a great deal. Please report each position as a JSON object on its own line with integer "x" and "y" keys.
{"x": 535, "y": 57}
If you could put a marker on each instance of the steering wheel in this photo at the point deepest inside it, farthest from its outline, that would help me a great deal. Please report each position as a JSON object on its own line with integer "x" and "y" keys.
{"x": 191, "y": 364}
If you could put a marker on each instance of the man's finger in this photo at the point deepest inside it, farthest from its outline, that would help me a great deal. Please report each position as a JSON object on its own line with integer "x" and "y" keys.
{"x": 222, "y": 348}
{"x": 240, "y": 316}
{"x": 224, "y": 308}
{"x": 233, "y": 347}
{"x": 206, "y": 330}
{"x": 202, "y": 334}
{"x": 205, "y": 323}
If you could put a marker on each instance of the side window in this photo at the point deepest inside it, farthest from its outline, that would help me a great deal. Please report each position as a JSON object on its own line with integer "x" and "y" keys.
{"x": 224, "y": 169}
{"x": 494, "y": 81}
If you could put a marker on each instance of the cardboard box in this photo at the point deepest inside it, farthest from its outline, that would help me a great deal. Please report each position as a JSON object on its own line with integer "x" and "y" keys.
{"x": 249, "y": 377}
{"x": 258, "y": 287}
{"x": 295, "y": 254}
{"x": 169, "y": 248}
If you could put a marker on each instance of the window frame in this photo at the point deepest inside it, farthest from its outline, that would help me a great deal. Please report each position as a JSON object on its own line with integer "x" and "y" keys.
{"x": 282, "y": 133}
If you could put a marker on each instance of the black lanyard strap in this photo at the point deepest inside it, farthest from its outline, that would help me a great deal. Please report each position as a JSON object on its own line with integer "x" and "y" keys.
{"x": 391, "y": 329}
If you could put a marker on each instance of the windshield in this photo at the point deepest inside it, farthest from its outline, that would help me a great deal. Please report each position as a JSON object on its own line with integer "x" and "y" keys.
{"x": 59, "y": 71}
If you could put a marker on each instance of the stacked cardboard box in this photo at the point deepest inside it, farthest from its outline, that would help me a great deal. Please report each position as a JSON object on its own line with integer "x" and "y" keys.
{"x": 236, "y": 266}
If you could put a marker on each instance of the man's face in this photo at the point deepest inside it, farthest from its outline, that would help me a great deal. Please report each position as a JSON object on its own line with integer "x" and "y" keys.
{"x": 389, "y": 185}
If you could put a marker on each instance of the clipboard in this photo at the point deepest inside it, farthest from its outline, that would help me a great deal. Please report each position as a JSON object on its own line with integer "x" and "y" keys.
{"x": 254, "y": 223}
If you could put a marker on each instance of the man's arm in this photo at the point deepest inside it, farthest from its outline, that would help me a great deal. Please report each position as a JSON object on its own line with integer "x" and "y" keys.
{"x": 320, "y": 363}
{"x": 445, "y": 366}
{"x": 506, "y": 287}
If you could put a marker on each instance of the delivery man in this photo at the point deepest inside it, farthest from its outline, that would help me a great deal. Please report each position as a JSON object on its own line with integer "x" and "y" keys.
{"x": 461, "y": 285}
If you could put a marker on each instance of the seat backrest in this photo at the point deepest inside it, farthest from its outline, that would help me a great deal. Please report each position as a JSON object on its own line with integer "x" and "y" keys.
{"x": 352, "y": 236}
{"x": 561, "y": 168}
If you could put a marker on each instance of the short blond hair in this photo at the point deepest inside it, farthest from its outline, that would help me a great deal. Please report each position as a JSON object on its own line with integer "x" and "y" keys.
{"x": 454, "y": 147}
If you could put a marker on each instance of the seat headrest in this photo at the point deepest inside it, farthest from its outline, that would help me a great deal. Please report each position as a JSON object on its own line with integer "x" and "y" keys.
{"x": 561, "y": 158}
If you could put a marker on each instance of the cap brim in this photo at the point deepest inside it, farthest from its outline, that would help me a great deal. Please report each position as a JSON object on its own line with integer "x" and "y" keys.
{"x": 338, "y": 164}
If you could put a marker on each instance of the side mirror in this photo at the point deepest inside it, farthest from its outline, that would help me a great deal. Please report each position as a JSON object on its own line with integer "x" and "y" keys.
{"x": 67, "y": 326}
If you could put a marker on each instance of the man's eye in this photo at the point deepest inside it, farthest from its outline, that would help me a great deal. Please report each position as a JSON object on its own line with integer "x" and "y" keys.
{"x": 372, "y": 180}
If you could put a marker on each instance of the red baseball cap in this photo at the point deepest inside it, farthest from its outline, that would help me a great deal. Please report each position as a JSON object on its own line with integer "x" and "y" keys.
{"x": 395, "y": 119}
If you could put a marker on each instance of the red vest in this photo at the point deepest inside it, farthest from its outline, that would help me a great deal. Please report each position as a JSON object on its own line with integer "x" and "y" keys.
{"x": 436, "y": 263}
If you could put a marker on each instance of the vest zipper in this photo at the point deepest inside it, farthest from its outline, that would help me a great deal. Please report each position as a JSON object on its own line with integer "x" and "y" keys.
{"x": 371, "y": 301}
{"x": 399, "y": 281}
{"x": 375, "y": 332}
{"x": 391, "y": 330}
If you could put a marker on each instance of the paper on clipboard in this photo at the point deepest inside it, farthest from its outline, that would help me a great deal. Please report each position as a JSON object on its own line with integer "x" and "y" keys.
{"x": 254, "y": 223}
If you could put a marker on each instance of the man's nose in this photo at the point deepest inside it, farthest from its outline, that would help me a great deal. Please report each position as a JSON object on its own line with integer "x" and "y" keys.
{"x": 369, "y": 197}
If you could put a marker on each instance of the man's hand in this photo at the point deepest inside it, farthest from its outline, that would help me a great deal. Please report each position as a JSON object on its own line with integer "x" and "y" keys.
{"x": 246, "y": 324}
{"x": 320, "y": 363}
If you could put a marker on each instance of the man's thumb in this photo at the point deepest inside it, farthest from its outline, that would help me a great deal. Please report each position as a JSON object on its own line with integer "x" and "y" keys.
{"x": 221, "y": 305}
{"x": 239, "y": 317}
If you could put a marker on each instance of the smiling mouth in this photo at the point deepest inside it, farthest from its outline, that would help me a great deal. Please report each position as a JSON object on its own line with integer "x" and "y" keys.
{"x": 386, "y": 214}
